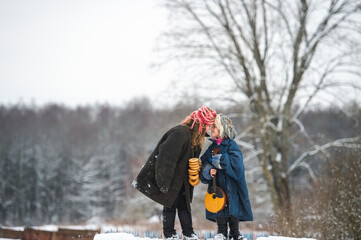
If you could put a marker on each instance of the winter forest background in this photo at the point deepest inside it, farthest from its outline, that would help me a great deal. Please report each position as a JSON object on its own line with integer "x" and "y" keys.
{"x": 64, "y": 165}
{"x": 286, "y": 72}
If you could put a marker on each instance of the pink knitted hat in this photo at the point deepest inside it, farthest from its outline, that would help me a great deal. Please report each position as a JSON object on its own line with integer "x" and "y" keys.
{"x": 204, "y": 116}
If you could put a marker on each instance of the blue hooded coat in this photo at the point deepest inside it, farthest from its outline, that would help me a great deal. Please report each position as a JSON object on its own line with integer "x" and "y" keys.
{"x": 230, "y": 178}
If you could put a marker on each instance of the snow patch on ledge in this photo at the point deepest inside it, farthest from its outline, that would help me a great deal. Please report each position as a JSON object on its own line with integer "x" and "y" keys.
{"x": 49, "y": 228}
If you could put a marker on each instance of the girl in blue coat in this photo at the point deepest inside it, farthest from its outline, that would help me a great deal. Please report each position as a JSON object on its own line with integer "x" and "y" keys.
{"x": 227, "y": 166}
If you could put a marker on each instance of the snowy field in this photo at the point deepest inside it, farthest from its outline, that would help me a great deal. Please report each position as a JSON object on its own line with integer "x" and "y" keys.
{"x": 126, "y": 236}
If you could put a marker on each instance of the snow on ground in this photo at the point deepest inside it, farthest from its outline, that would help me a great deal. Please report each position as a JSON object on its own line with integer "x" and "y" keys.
{"x": 118, "y": 236}
{"x": 126, "y": 236}
{"x": 283, "y": 238}
{"x": 77, "y": 227}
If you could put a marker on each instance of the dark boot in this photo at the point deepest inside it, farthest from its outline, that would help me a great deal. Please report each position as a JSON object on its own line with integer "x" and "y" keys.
{"x": 185, "y": 219}
{"x": 222, "y": 225}
{"x": 234, "y": 228}
{"x": 168, "y": 224}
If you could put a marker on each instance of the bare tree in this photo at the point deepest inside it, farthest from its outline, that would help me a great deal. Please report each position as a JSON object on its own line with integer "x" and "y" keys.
{"x": 280, "y": 56}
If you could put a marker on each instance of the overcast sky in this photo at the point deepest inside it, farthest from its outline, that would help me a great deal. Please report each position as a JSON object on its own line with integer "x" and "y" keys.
{"x": 79, "y": 51}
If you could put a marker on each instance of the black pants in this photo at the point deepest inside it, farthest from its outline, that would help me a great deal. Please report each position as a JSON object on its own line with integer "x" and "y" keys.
{"x": 185, "y": 217}
{"x": 233, "y": 226}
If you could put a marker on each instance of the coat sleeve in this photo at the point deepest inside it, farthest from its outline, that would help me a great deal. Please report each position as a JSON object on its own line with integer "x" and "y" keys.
{"x": 206, "y": 167}
{"x": 167, "y": 159}
{"x": 232, "y": 162}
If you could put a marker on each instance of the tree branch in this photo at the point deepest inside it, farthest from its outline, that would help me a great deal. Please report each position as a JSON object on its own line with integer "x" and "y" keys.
{"x": 344, "y": 142}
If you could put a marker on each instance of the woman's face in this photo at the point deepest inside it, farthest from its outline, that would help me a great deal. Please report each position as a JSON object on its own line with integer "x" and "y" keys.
{"x": 214, "y": 131}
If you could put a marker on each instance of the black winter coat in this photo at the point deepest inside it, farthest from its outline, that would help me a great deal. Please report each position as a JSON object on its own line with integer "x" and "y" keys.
{"x": 166, "y": 170}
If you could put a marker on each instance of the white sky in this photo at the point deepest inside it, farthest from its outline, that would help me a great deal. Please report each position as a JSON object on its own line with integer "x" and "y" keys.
{"x": 79, "y": 51}
{"x": 83, "y": 52}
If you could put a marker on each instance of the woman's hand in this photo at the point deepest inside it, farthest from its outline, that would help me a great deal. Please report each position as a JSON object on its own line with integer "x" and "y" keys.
{"x": 213, "y": 172}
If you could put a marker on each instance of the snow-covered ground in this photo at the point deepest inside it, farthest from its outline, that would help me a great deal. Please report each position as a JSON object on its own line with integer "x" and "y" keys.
{"x": 118, "y": 236}
{"x": 283, "y": 238}
{"x": 126, "y": 236}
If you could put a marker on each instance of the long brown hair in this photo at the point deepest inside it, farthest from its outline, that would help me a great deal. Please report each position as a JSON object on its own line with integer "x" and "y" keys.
{"x": 198, "y": 137}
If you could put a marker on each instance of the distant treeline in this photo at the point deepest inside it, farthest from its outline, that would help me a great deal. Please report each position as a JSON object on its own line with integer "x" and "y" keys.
{"x": 68, "y": 165}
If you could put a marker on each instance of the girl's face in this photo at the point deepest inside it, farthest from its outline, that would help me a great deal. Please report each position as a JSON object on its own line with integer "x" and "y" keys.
{"x": 214, "y": 131}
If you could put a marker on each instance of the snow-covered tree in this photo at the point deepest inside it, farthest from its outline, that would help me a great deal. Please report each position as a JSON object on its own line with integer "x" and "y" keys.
{"x": 279, "y": 57}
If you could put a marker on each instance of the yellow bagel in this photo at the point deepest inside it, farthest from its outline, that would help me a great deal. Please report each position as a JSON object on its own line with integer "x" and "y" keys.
{"x": 194, "y": 165}
{"x": 193, "y": 160}
{"x": 195, "y": 169}
{"x": 193, "y": 177}
{"x": 192, "y": 171}
{"x": 194, "y": 183}
{"x": 193, "y": 180}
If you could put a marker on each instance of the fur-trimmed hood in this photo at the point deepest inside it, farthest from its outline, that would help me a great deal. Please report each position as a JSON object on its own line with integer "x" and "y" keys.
{"x": 223, "y": 123}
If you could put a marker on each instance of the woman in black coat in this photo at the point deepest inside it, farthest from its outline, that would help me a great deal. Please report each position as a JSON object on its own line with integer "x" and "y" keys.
{"x": 164, "y": 177}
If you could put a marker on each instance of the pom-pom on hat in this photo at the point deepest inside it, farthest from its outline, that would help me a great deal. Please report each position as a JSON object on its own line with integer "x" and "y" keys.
{"x": 204, "y": 116}
{"x": 225, "y": 127}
